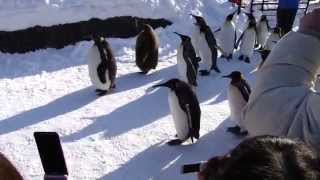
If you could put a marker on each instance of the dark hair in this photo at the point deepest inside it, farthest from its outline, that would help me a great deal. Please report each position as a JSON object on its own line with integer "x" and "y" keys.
{"x": 7, "y": 170}
{"x": 265, "y": 158}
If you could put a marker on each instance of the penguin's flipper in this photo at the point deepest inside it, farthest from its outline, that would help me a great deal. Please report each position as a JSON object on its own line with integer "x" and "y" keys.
{"x": 102, "y": 73}
{"x": 142, "y": 44}
{"x": 242, "y": 87}
{"x": 219, "y": 29}
{"x": 211, "y": 40}
{"x": 239, "y": 40}
{"x": 175, "y": 142}
{"x": 246, "y": 84}
{"x": 112, "y": 71}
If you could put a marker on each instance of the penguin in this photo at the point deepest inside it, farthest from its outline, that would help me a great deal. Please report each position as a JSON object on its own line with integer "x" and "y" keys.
{"x": 238, "y": 95}
{"x": 185, "y": 110}
{"x": 187, "y": 61}
{"x": 147, "y": 46}
{"x": 102, "y": 66}
{"x": 228, "y": 36}
{"x": 205, "y": 45}
{"x": 248, "y": 40}
{"x": 262, "y": 31}
{"x": 272, "y": 40}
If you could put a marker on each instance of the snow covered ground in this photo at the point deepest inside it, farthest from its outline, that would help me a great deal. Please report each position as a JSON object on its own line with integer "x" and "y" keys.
{"x": 121, "y": 135}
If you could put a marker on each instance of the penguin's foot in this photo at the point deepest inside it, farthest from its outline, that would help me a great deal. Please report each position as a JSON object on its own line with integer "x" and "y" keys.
{"x": 175, "y": 142}
{"x": 113, "y": 86}
{"x": 143, "y": 72}
{"x": 236, "y": 130}
{"x": 241, "y": 57}
{"x": 257, "y": 46}
{"x": 204, "y": 72}
{"x": 101, "y": 92}
{"x": 198, "y": 59}
{"x": 247, "y": 60}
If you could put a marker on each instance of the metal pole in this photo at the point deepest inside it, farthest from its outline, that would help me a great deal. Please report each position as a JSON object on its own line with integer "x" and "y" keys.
{"x": 251, "y": 7}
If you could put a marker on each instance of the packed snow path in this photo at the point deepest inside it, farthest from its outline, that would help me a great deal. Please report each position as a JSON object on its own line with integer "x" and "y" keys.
{"x": 123, "y": 134}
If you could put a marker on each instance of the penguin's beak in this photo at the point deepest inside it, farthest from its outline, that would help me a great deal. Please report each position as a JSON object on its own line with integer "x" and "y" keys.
{"x": 160, "y": 85}
{"x": 227, "y": 76}
{"x": 178, "y": 34}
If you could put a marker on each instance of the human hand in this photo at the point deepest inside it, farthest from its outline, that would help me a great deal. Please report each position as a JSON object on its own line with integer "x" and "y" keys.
{"x": 310, "y": 23}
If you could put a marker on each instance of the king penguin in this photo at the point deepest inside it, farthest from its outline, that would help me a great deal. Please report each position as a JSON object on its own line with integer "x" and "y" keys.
{"x": 272, "y": 40}
{"x": 187, "y": 61}
{"x": 248, "y": 40}
{"x": 185, "y": 110}
{"x": 102, "y": 66}
{"x": 262, "y": 31}
{"x": 228, "y": 37}
{"x": 205, "y": 45}
{"x": 238, "y": 96}
{"x": 147, "y": 46}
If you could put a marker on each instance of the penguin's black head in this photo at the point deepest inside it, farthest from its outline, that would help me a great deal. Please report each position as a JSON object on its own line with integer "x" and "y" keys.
{"x": 172, "y": 84}
{"x": 184, "y": 38}
{"x": 199, "y": 20}
{"x": 147, "y": 27}
{"x": 230, "y": 17}
{"x": 235, "y": 75}
{"x": 98, "y": 40}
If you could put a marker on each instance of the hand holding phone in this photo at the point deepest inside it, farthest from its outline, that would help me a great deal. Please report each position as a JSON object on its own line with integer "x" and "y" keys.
{"x": 51, "y": 155}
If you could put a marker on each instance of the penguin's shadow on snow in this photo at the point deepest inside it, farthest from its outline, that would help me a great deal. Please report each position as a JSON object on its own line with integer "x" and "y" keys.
{"x": 55, "y": 108}
{"x": 48, "y": 60}
{"x": 161, "y": 161}
{"x": 138, "y": 113}
{"x": 135, "y": 80}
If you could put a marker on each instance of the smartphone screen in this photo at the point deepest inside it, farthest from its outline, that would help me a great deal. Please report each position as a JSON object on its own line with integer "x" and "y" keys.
{"x": 51, "y": 153}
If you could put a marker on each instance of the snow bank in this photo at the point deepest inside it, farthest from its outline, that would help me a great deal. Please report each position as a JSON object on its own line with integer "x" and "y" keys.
{"x": 20, "y": 14}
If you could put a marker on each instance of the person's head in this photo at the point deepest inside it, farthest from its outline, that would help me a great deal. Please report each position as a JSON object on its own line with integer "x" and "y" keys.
{"x": 265, "y": 157}
{"x": 7, "y": 170}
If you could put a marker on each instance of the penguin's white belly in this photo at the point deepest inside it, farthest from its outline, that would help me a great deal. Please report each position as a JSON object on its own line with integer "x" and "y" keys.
{"x": 205, "y": 52}
{"x": 182, "y": 66}
{"x": 227, "y": 39}
{"x": 93, "y": 63}
{"x": 262, "y": 33}
{"x": 180, "y": 118}
{"x": 236, "y": 103}
{"x": 195, "y": 40}
{"x": 248, "y": 41}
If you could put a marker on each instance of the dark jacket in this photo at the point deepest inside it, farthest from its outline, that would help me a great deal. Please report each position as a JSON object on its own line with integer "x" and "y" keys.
{"x": 288, "y": 4}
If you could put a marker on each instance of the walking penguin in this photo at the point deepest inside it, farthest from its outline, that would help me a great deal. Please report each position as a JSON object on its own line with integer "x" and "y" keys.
{"x": 187, "y": 61}
{"x": 262, "y": 31}
{"x": 205, "y": 45}
{"x": 147, "y": 46}
{"x": 102, "y": 66}
{"x": 248, "y": 40}
{"x": 185, "y": 110}
{"x": 272, "y": 40}
{"x": 238, "y": 96}
{"x": 228, "y": 38}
